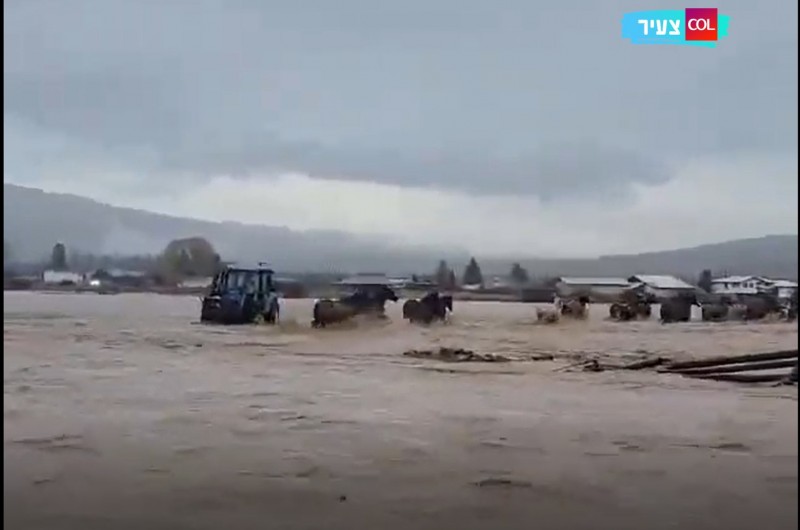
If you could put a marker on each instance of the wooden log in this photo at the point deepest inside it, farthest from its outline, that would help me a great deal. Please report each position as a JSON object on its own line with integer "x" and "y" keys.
{"x": 742, "y": 378}
{"x": 733, "y": 368}
{"x": 646, "y": 363}
{"x": 718, "y": 361}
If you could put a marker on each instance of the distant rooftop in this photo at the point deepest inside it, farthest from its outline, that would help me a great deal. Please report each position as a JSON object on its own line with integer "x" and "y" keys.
{"x": 738, "y": 279}
{"x": 365, "y": 279}
{"x": 661, "y": 281}
{"x": 616, "y": 282}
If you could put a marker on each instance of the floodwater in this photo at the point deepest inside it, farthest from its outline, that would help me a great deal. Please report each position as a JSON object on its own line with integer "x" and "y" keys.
{"x": 123, "y": 412}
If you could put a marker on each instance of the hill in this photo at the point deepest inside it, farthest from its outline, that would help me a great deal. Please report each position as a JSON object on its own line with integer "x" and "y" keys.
{"x": 33, "y": 220}
{"x": 773, "y": 256}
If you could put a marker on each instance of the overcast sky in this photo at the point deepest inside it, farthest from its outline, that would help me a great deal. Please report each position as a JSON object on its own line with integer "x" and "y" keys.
{"x": 518, "y": 126}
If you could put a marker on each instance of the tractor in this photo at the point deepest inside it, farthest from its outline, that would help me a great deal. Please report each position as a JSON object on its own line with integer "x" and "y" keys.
{"x": 241, "y": 295}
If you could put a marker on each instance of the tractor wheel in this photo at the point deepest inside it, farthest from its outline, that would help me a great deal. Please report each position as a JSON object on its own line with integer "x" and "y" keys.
{"x": 208, "y": 313}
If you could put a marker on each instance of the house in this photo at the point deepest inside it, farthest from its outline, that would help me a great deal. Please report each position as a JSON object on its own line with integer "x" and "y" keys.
{"x": 596, "y": 288}
{"x": 786, "y": 288}
{"x": 52, "y": 277}
{"x": 662, "y": 285}
{"x": 738, "y": 285}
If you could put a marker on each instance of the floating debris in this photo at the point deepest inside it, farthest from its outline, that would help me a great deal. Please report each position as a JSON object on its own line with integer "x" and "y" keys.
{"x": 456, "y": 355}
{"x": 728, "y": 368}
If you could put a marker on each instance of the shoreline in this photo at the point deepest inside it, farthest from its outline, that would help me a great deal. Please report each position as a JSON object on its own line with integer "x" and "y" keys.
{"x": 463, "y": 296}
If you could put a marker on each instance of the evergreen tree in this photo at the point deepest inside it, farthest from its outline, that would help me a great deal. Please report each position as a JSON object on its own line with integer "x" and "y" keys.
{"x": 442, "y": 275}
{"x": 58, "y": 258}
{"x": 705, "y": 280}
{"x": 518, "y": 274}
{"x": 451, "y": 280}
{"x": 472, "y": 274}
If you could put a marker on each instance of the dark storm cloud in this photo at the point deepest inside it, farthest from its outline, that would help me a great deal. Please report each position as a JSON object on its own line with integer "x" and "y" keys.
{"x": 501, "y": 97}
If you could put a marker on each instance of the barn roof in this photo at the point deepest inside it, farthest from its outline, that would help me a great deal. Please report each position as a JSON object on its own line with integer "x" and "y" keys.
{"x": 573, "y": 280}
{"x": 661, "y": 281}
{"x": 738, "y": 279}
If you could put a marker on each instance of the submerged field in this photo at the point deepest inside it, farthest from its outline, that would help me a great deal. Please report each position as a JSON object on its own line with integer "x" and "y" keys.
{"x": 123, "y": 412}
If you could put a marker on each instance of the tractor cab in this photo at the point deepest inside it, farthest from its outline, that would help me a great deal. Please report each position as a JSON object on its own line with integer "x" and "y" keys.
{"x": 238, "y": 295}
{"x": 236, "y": 279}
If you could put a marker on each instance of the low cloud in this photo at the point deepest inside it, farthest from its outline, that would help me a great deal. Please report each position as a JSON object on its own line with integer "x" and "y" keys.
{"x": 462, "y": 107}
{"x": 707, "y": 201}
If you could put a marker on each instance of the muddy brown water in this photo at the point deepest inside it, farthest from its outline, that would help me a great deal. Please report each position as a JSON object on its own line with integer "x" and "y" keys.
{"x": 123, "y": 412}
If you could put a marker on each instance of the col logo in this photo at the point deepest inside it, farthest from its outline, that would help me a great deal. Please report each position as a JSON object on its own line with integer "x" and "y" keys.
{"x": 693, "y": 26}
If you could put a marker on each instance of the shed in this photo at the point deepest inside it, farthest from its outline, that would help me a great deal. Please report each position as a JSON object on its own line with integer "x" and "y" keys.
{"x": 662, "y": 285}
{"x": 62, "y": 277}
{"x": 596, "y": 288}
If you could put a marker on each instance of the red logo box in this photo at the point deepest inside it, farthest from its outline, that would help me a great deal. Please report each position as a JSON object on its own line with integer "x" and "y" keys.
{"x": 701, "y": 23}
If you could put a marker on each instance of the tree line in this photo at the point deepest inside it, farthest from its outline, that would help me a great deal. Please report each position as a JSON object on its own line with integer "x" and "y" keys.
{"x": 181, "y": 258}
{"x": 445, "y": 276}
{"x": 196, "y": 257}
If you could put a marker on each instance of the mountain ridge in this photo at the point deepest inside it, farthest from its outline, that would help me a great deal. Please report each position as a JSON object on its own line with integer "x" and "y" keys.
{"x": 33, "y": 220}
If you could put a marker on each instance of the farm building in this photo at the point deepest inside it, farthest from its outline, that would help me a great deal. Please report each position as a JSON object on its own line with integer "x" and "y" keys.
{"x": 737, "y": 285}
{"x": 744, "y": 285}
{"x": 595, "y": 288}
{"x": 662, "y": 286}
{"x": 119, "y": 278}
{"x": 62, "y": 278}
{"x": 786, "y": 288}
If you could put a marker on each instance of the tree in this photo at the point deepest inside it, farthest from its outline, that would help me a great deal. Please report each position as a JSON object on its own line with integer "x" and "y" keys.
{"x": 472, "y": 274}
{"x": 451, "y": 280}
{"x": 192, "y": 256}
{"x": 58, "y": 257}
{"x": 442, "y": 275}
{"x": 518, "y": 274}
{"x": 704, "y": 282}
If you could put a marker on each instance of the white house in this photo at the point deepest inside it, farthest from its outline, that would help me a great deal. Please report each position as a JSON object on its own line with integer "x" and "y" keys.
{"x": 786, "y": 288}
{"x": 662, "y": 286}
{"x": 594, "y": 287}
{"x": 734, "y": 285}
{"x": 62, "y": 277}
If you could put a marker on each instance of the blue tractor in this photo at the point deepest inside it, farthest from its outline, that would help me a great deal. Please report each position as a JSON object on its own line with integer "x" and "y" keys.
{"x": 241, "y": 295}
